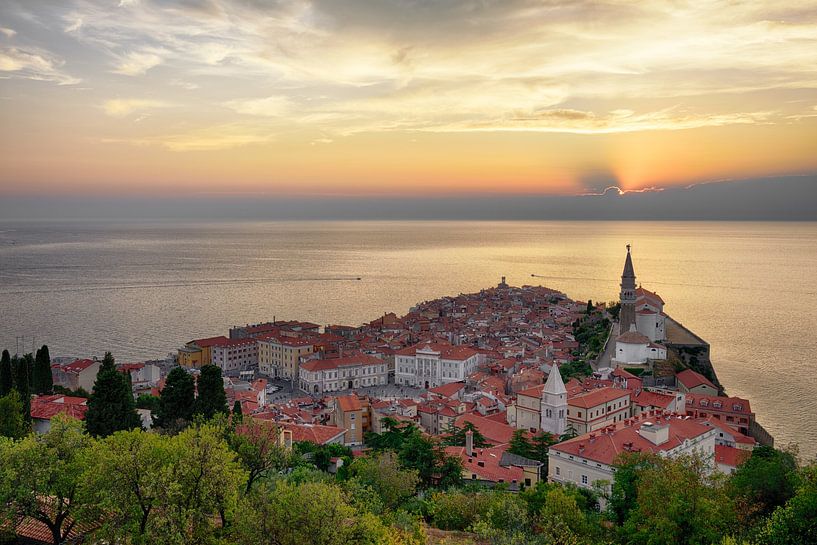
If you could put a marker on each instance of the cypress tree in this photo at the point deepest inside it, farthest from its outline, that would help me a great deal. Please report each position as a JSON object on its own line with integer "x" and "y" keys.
{"x": 6, "y": 380}
{"x": 212, "y": 399}
{"x": 176, "y": 400}
{"x": 22, "y": 368}
{"x": 238, "y": 415}
{"x": 43, "y": 380}
{"x": 111, "y": 407}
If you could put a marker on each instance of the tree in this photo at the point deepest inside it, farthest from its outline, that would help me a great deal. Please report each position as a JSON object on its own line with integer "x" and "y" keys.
{"x": 795, "y": 523}
{"x": 561, "y": 520}
{"x": 203, "y": 479}
{"x": 6, "y": 380}
{"x": 42, "y": 380}
{"x": 176, "y": 401}
{"x": 679, "y": 503}
{"x": 589, "y": 309}
{"x": 211, "y": 399}
{"x": 765, "y": 481}
{"x": 237, "y": 414}
{"x": 12, "y": 423}
{"x": 256, "y": 443}
{"x": 125, "y": 478}
{"x": 624, "y": 493}
{"x": 42, "y": 476}
{"x": 393, "y": 437}
{"x": 111, "y": 406}
{"x": 312, "y": 513}
{"x": 382, "y": 472}
{"x": 22, "y": 367}
{"x": 454, "y": 436}
{"x": 147, "y": 401}
{"x": 433, "y": 465}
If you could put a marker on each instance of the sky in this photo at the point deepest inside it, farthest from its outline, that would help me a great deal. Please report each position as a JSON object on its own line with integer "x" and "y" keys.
{"x": 402, "y": 99}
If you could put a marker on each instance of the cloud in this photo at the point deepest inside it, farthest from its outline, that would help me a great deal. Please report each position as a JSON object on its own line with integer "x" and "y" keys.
{"x": 34, "y": 64}
{"x": 8, "y": 32}
{"x": 137, "y": 63}
{"x": 274, "y": 106}
{"x": 123, "y": 107}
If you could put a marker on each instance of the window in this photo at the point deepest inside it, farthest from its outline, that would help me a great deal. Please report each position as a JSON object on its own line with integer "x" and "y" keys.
{"x": 584, "y": 479}
{"x": 558, "y": 470}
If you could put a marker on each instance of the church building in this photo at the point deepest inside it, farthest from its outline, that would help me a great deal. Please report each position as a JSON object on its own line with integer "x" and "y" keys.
{"x": 641, "y": 322}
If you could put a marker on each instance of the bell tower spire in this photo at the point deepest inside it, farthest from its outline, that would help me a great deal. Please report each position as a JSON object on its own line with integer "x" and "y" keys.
{"x": 626, "y": 317}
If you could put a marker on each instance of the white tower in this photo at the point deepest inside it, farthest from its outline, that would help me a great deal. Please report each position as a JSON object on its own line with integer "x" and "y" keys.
{"x": 554, "y": 403}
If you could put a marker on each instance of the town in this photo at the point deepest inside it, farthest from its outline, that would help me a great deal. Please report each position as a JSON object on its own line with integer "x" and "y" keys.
{"x": 519, "y": 385}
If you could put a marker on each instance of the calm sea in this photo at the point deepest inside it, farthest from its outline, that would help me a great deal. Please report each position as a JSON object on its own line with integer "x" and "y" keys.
{"x": 141, "y": 290}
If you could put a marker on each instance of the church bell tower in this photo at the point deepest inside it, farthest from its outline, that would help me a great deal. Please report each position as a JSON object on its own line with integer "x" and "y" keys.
{"x": 626, "y": 317}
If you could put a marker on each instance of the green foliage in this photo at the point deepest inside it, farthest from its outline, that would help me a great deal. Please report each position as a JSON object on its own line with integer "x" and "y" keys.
{"x": 111, "y": 406}
{"x": 454, "y": 436}
{"x": 42, "y": 476}
{"x": 79, "y": 392}
{"x": 256, "y": 444}
{"x": 21, "y": 372}
{"x": 767, "y": 480}
{"x": 678, "y": 503}
{"x": 147, "y": 401}
{"x": 211, "y": 398}
{"x": 6, "y": 373}
{"x": 575, "y": 369}
{"x": 796, "y": 522}
{"x": 624, "y": 494}
{"x": 383, "y": 474}
{"x": 322, "y": 454}
{"x": 312, "y": 513}
{"x": 12, "y": 423}
{"x": 614, "y": 309}
{"x": 535, "y": 448}
{"x": 176, "y": 401}
{"x": 126, "y": 479}
{"x": 42, "y": 380}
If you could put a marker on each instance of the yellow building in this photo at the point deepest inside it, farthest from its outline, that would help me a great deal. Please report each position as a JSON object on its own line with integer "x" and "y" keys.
{"x": 199, "y": 352}
{"x": 278, "y": 357}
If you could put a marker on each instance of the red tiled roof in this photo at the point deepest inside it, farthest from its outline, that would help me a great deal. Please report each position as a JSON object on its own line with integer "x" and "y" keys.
{"x": 78, "y": 366}
{"x": 691, "y": 379}
{"x": 448, "y": 390}
{"x": 645, "y": 398}
{"x": 597, "y": 397}
{"x": 490, "y": 470}
{"x": 633, "y": 337}
{"x": 731, "y": 456}
{"x": 47, "y": 407}
{"x": 641, "y": 292}
{"x": 728, "y": 404}
{"x": 605, "y": 447}
{"x": 349, "y": 403}
{"x": 209, "y": 341}
{"x": 495, "y": 432}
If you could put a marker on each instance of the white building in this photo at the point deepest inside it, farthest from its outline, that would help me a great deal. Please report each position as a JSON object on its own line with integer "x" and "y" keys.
{"x": 589, "y": 458}
{"x": 553, "y": 411}
{"x": 650, "y": 319}
{"x": 331, "y": 375}
{"x": 427, "y": 365}
{"x": 235, "y": 354}
{"x": 634, "y": 349}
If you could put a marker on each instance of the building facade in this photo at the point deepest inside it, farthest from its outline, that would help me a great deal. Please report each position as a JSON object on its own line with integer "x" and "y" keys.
{"x": 279, "y": 357}
{"x": 235, "y": 355}
{"x": 598, "y": 408}
{"x": 331, "y": 375}
{"x": 428, "y": 365}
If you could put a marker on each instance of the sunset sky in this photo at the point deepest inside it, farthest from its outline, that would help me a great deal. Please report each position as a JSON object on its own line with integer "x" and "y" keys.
{"x": 414, "y": 97}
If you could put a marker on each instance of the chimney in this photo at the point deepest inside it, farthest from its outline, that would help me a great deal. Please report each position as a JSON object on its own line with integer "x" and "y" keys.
{"x": 469, "y": 443}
